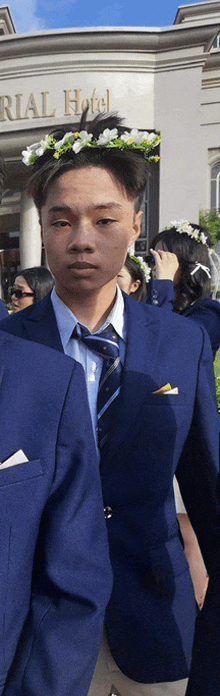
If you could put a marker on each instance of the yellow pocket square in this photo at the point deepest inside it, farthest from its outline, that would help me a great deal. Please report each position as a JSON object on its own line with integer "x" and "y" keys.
{"x": 166, "y": 389}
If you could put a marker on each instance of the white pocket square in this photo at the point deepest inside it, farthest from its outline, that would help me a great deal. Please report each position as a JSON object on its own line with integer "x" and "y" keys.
{"x": 18, "y": 457}
{"x": 175, "y": 390}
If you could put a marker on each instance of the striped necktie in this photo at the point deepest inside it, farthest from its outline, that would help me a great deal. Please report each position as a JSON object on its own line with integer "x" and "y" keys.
{"x": 106, "y": 345}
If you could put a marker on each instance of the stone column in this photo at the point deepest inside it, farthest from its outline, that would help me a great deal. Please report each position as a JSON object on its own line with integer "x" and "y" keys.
{"x": 30, "y": 234}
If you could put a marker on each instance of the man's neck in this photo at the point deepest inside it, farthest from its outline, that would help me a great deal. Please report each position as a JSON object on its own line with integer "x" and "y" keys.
{"x": 91, "y": 310}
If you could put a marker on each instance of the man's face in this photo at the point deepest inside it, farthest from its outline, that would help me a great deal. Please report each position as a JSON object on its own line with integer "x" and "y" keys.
{"x": 88, "y": 223}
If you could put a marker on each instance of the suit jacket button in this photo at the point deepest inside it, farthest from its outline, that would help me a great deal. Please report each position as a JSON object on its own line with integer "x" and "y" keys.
{"x": 108, "y": 512}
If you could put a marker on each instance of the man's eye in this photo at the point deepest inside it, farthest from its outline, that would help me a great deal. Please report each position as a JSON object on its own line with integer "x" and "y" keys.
{"x": 60, "y": 223}
{"x": 105, "y": 221}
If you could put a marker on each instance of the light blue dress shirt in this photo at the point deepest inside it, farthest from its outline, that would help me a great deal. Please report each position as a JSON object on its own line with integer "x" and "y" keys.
{"x": 90, "y": 361}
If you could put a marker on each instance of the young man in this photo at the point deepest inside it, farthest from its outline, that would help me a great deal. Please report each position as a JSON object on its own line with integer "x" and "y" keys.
{"x": 55, "y": 577}
{"x": 152, "y": 401}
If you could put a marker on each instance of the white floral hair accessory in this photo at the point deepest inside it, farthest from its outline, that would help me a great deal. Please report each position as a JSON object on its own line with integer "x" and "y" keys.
{"x": 184, "y": 227}
{"x": 135, "y": 140}
{"x": 144, "y": 266}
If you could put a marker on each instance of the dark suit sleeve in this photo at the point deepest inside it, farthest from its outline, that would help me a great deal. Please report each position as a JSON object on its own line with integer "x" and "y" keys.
{"x": 197, "y": 474}
{"x": 199, "y": 463}
{"x": 207, "y": 314}
{"x": 3, "y": 311}
{"x": 60, "y": 642}
{"x": 161, "y": 293}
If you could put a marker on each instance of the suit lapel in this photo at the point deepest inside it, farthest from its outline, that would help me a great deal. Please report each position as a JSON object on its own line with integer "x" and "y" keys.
{"x": 142, "y": 330}
{"x": 41, "y": 326}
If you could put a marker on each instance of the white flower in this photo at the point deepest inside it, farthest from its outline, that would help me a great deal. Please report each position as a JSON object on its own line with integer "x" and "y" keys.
{"x": 195, "y": 234}
{"x": 34, "y": 147}
{"x": 135, "y": 135}
{"x": 151, "y": 137}
{"x": 43, "y": 145}
{"x": 203, "y": 238}
{"x": 145, "y": 268}
{"x": 107, "y": 136}
{"x": 61, "y": 142}
{"x": 127, "y": 137}
{"x": 81, "y": 141}
{"x": 131, "y": 250}
{"x": 26, "y": 154}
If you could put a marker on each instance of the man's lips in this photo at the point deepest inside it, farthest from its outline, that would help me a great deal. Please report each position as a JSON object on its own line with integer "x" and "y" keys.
{"x": 81, "y": 265}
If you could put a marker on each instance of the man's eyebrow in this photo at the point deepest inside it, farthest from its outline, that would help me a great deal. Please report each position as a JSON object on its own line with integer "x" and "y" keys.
{"x": 107, "y": 206}
{"x": 99, "y": 206}
{"x": 60, "y": 209}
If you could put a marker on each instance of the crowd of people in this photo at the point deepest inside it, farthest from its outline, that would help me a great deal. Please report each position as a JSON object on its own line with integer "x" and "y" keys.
{"x": 111, "y": 389}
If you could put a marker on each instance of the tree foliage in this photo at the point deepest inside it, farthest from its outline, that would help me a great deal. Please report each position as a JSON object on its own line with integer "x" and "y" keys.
{"x": 211, "y": 221}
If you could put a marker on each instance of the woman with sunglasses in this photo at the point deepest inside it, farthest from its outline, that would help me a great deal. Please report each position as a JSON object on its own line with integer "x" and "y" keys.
{"x": 30, "y": 286}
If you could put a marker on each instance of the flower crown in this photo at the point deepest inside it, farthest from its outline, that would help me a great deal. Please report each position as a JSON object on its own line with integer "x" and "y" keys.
{"x": 144, "y": 266}
{"x": 184, "y": 227}
{"x": 135, "y": 140}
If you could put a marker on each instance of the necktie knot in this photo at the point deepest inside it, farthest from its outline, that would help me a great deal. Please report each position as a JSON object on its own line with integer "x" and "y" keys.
{"x": 104, "y": 343}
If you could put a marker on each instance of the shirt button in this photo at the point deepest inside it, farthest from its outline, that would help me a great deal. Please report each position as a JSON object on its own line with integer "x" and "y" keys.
{"x": 108, "y": 512}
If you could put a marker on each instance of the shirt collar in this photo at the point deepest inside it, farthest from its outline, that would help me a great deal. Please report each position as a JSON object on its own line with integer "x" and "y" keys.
{"x": 66, "y": 320}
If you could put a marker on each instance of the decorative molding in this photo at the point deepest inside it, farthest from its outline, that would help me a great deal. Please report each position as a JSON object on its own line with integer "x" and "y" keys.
{"x": 213, "y": 156}
{"x": 6, "y": 22}
{"x": 109, "y": 39}
{"x": 197, "y": 12}
{"x": 211, "y": 82}
{"x": 122, "y": 63}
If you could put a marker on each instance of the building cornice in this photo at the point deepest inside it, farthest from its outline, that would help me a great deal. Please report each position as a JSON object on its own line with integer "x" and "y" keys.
{"x": 198, "y": 11}
{"x": 130, "y": 39}
{"x": 6, "y": 22}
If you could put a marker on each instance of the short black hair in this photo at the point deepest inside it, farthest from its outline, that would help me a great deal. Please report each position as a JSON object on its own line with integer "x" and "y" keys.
{"x": 2, "y": 176}
{"x": 189, "y": 288}
{"x": 129, "y": 167}
{"x": 39, "y": 279}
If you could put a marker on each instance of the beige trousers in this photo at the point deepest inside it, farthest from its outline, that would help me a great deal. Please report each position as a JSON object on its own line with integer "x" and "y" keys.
{"x": 108, "y": 679}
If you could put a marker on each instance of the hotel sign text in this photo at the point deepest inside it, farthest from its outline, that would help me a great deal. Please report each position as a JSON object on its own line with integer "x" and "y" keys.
{"x": 18, "y": 108}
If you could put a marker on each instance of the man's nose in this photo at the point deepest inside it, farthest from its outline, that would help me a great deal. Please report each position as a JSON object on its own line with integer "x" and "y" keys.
{"x": 82, "y": 237}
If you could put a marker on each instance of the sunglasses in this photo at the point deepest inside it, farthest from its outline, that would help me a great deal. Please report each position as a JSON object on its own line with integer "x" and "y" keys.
{"x": 19, "y": 293}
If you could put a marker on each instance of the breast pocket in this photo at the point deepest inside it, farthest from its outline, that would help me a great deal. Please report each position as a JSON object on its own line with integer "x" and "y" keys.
{"x": 21, "y": 472}
{"x": 171, "y": 400}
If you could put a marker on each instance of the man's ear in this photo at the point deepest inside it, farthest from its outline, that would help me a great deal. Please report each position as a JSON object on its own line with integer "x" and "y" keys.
{"x": 136, "y": 227}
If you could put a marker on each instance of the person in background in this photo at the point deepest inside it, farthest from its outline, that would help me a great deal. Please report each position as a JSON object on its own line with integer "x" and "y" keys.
{"x": 131, "y": 278}
{"x": 3, "y": 310}
{"x": 181, "y": 282}
{"x": 151, "y": 388}
{"x": 182, "y": 276}
{"x": 30, "y": 286}
{"x": 55, "y": 577}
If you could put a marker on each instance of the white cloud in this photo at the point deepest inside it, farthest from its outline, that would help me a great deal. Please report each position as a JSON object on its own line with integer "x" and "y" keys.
{"x": 24, "y": 16}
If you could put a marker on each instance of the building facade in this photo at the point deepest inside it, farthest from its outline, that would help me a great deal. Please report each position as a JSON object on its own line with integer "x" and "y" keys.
{"x": 164, "y": 79}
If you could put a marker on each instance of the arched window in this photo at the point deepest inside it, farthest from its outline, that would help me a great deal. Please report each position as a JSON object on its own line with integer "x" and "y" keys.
{"x": 216, "y": 43}
{"x": 215, "y": 187}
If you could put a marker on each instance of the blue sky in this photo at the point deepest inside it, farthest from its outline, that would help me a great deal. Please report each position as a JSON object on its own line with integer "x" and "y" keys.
{"x": 37, "y": 15}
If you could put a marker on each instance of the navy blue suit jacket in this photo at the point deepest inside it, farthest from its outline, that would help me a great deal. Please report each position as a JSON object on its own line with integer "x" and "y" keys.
{"x": 205, "y": 312}
{"x": 55, "y": 577}
{"x": 151, "y": 615}
{"x": 3, "y": 311}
